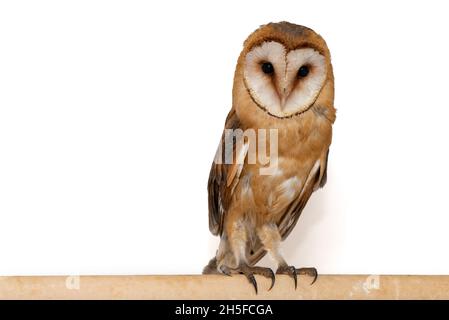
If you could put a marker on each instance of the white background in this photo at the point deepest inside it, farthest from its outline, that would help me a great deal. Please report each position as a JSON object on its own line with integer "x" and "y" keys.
{"x": 111, "y": 111}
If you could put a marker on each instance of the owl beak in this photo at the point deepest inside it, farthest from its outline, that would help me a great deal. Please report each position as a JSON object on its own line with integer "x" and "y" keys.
{"x": 283, "y": 99}
{"x": 284, "y": 93}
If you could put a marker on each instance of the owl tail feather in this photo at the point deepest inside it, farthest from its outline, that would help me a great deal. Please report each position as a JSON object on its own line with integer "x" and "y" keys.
{"x": 211, "y": 267}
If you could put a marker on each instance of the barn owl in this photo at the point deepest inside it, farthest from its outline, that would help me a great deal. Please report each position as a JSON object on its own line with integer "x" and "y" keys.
{"x": 283, "y": 83}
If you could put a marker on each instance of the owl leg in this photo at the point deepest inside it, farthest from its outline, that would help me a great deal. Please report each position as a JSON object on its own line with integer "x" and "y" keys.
{"x": 270, "y": 237}
{"x": 238, "y": 240}
{"x": 223, "y": 257}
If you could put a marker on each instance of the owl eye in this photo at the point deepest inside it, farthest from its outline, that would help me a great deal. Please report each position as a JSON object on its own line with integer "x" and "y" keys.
{"x": 303, "y": 71}
{"x": 267, "y": 68}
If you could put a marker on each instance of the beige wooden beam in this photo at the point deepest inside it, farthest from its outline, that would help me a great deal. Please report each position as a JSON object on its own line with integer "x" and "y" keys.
{"x": 222, "y": 287}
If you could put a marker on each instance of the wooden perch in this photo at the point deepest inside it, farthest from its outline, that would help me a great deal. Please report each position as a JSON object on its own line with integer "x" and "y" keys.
{"x": 222, "y": 287}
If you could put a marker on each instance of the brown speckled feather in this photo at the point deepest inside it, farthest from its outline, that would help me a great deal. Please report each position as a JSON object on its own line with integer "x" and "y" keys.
{"x": 221, "y": 178}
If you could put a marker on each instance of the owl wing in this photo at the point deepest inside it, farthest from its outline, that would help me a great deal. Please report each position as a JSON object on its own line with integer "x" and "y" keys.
{"x": 224, "y": 177}
{"x": 317, "y": 179}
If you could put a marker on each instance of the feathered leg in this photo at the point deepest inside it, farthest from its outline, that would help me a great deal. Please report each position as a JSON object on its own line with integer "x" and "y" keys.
{"x": 271, "y": 239}
{"x": 231, "y": 257}
{"x": 238, "y": 240}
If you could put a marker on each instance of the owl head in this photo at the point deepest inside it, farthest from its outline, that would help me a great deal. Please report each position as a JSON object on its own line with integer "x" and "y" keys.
{"x": 283, "y": 70}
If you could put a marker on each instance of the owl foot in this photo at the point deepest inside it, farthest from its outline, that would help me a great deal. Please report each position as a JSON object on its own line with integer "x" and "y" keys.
{"x": 249, "y": 272}
{"x": 293, "y": 272}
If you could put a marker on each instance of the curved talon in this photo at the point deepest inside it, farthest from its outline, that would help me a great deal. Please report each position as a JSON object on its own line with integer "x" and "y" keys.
{"x": 310, "y": 272}
{"x": 314, "y": 277}
{"x": 265, "y": 272}
{"x": 273, "y": 279}
{"x": 252, "y": 280}
{"x": 295, "y": 276}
